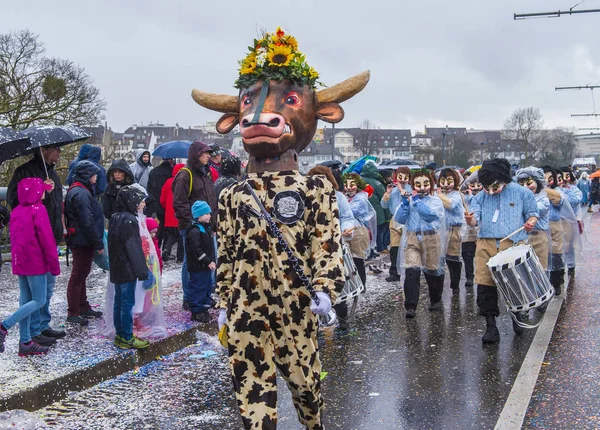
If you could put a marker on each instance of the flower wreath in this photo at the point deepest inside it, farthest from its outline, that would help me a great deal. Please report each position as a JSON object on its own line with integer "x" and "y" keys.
{"x": 275, "y": 56}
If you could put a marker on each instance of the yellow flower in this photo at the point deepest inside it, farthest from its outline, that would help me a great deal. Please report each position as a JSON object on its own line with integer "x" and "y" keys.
{"x": 248, "y": 64}
{"x": 313, "y": 74}
{"x": 280, "y": 56}
{"x": 291, "y": 40}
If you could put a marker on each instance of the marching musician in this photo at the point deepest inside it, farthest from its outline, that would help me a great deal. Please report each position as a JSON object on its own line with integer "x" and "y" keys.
{"x": 391, "y": 201}
{"x": 451, "y": 198}
{"x": 567, "y": 182}
{"x": 423, "y": 217}
{"x": 533, "y": 179}
{"x": 503, "y": 208}
{"x": 470, "y": 188}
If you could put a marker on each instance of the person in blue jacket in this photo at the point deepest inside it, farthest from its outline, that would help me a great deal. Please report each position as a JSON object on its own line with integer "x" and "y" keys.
{"x": 422, "y": 214}
{"x": 93, "y": 154}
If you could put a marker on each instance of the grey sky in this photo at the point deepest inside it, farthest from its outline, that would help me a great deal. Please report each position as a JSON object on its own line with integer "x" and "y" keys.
{"x": 464, "y": 63}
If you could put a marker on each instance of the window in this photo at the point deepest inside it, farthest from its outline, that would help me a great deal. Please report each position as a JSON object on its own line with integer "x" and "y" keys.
{"x": 397, "y": 143}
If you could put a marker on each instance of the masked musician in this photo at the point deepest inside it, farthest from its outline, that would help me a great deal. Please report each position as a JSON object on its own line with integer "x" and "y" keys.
{"x": 568, "y": 184}
{"x": 447, "y": 190}
{"x": 391, "y": 201}
{"x": 539, "y": 238}
{"x": 501, "y": 209}
{"x": 559, "y": 209}
{"x": 422, "y": 214}
{"x": 470, "y": 188}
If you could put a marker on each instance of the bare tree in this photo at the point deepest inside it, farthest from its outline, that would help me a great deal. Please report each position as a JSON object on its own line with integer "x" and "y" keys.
{"x": 525, "y": 124}
{"x": 36, "y": 90}
{"x": 366, "y": 141}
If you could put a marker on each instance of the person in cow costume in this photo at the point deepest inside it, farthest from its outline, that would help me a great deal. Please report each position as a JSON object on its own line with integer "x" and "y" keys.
{"x": 270, "y": 315}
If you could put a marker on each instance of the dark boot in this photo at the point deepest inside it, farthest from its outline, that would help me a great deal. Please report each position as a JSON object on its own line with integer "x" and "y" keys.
{"x": 492, "y": 335}
{"x": 454, "y": 267}
{"x": 468, "y": 254}
{"x": 556, "y": 281}
{"x": 516, "y": 327}
{"x": 412, "y": 283}
{"x": 436, "y": 286}
{"x": 394, "y": 276}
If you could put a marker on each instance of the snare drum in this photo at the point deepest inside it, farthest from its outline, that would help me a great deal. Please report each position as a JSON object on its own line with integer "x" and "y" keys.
{"x": 353, "y": 286}
{"x": 520, "y": 278}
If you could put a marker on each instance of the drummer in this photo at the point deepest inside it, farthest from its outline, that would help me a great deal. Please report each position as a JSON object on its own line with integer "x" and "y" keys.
{"x": 533, "y": 179}
{"x": 346, "y": 225}
{"x": 391, "y": 201}
{"x": 501, "y": 209}
{"x": 452, "y": 200}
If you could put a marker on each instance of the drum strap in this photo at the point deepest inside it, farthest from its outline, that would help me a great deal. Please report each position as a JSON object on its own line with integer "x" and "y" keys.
{"x": 276, "y": 233}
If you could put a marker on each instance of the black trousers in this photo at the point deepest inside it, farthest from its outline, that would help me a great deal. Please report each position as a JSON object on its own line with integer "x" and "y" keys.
{"x": 412, "y": 287}
{"x": 487, "y": 300}
{"x": 172, "y": 237}
{"x": 393, "y": 261}
{"x": 468, "y": 255}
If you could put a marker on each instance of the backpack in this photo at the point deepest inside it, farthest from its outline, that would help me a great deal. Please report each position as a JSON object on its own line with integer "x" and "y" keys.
{"x": 191, "y": 177}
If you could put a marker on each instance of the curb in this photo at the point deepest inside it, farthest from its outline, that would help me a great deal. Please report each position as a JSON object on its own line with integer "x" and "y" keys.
{"x": 52, "y": 391}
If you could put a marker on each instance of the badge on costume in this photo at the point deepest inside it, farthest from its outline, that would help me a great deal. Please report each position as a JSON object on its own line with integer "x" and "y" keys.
{"x": 288, "y": 207}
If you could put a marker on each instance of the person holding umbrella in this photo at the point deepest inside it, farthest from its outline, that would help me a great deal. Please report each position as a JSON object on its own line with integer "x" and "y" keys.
{"x": 156, "y": 180}
{"x": 42, "y": 166}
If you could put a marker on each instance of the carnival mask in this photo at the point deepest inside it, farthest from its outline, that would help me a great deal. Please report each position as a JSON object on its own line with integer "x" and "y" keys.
{"x": 422, "y": 185}
{"x": 549, "y": 179}
{"x": 402, "y": 178}
{"x": 446, "y": 183}
{"x": 529, "y": 183}
{"x": 475, "y": 187}
{"x": 495, "y": 188}
{"x": 559, "y": 180}
{"x": 350, "y": 188}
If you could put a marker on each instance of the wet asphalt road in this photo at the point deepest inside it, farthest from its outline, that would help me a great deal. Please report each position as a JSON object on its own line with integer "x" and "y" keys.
{"x": 385, "y": 373}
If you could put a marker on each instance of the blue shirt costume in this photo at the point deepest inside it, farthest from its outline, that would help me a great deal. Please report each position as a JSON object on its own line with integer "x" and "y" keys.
{"x": 395, "y": 199}
{"x": 346, "y": 217}
{"x": 455, "y": 213}
{"x": 515, "y": 204}
{"x": 543, "y": 205}
{"x": 420, "y": 214}
{"x": 575, "y": 197}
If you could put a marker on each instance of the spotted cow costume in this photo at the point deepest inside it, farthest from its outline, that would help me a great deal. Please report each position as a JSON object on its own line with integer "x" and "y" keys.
{"x": 269, "y": 313}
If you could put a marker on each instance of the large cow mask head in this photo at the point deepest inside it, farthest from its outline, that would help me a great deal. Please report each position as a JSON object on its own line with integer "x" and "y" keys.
{"x": 277, "y": 108}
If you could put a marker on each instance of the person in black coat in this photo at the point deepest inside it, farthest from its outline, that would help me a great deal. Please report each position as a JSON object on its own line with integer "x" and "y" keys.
{"x": 127, "y": 263}
{"x": 85, "y": 231}
{"x": 200, "y": 255}
{"x": 156, "y": 180}
{"x": 34, "y": 168}
{"x": 119, "y": 175}
{"x": 230, "y": 173}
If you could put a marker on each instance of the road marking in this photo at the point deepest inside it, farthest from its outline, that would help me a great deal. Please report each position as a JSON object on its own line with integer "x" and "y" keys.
{"x": 515, "y": 408}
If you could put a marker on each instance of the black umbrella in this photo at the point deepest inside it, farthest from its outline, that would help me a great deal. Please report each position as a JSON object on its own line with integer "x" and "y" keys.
{"x": 12, "y": 143}
{"x": 47, "y": 135}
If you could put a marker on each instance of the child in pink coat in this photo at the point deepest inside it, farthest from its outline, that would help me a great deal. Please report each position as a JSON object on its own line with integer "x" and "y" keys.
{"x": 34, "y": 254}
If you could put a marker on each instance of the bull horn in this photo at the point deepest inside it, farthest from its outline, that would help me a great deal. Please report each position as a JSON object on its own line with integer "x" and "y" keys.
{"x": 217, "y": 102}
{"x": 344, "y": 90}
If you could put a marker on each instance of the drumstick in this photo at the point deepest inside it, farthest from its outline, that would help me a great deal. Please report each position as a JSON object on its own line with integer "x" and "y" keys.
{"x": 512, "y": 234}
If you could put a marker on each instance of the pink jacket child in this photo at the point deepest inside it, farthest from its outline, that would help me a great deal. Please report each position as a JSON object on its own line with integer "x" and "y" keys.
{"x": 33, "y": 247}
{"x": 34, "y": 254}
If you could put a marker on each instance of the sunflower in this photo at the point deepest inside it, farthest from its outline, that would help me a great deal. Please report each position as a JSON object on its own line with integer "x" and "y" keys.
{"x": 280, "y": 56}
{"x": 248, "y": 65}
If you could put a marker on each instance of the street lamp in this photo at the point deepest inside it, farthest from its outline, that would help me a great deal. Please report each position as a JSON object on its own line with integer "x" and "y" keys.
{"x": 444, "y": 146}
{"x": 332, "y": 141}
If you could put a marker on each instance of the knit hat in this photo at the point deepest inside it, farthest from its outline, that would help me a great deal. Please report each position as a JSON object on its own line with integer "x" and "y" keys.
{"x": 200, "y": 208}
{"x": 151, "y": 224}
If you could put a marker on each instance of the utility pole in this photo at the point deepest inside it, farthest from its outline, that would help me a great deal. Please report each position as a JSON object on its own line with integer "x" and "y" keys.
{"x": 332, "y": 141}
{"x": 481, "y": 153}
{"x": 444, "y": 146}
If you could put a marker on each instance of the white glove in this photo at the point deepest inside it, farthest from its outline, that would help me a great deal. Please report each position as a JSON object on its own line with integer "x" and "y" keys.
{"x": 222, "y": 317}
{"x": 324, "y": 304}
